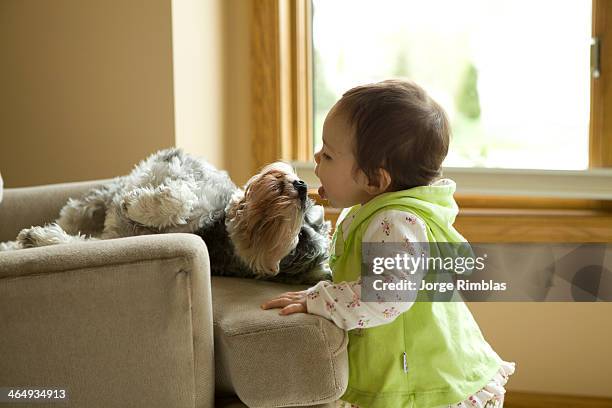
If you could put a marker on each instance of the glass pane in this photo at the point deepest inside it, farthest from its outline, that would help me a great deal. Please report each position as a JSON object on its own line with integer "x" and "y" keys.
{"x": 513, "y": 75}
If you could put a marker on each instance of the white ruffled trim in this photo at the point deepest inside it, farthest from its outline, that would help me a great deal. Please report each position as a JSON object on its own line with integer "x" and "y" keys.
{"x": 492, "y": 393}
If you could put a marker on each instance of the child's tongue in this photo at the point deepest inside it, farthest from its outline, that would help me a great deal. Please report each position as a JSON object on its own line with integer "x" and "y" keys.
{"x": 322, "y": 192}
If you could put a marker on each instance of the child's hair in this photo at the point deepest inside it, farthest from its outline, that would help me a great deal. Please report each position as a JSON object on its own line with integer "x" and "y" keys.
{"x": 398, "y": 127}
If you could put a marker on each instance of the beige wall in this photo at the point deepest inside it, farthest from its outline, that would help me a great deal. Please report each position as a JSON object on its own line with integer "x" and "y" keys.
{"x": 89, "y": 88}
{"x": 559, "y": 348}
{"x": 198, "y": 77}
{"x": 236, "y": 37}
{"x": 86, "y": 87}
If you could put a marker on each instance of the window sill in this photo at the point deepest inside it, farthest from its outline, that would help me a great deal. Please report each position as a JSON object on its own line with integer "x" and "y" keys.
{"x": 509, "y": 208}
{"x": 490, "y": 217}
{"x": 518, "y": 189}
{"x": 520, "y": 224}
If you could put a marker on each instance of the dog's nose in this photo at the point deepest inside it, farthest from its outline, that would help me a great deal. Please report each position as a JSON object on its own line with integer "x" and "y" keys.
{"x": 301, "y": 187}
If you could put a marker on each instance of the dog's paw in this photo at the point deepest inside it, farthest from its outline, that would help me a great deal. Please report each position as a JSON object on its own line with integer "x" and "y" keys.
{"x": 51, "y": 234}
{"x": 9, "y": 246}
{"x": 29, "y": 237}
{"x": 162, "y": 207}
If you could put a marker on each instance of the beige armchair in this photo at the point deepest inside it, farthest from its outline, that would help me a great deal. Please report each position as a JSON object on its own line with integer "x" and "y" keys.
{"x": 139, "y": 322}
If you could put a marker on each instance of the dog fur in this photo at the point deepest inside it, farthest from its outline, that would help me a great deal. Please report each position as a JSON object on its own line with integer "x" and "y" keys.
{"x": 269, "y": 229}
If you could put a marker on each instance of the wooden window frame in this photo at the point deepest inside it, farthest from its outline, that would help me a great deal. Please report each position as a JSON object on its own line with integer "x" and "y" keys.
{"x": 281, "y": 77}
{"x": 600, "y": 138}
{"x": 282, "y": 109}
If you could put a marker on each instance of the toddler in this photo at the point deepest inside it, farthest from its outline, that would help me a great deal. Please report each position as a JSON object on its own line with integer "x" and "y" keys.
{"x": 383, "y": 147}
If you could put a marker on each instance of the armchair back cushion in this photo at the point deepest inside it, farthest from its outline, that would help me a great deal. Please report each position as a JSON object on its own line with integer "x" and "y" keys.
{"x": 29, "y": 206}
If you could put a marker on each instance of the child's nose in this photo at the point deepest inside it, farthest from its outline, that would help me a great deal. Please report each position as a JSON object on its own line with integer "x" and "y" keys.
{"x": 317, "y": 157}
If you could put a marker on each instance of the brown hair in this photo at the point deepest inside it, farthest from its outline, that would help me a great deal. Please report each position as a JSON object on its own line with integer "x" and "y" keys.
{"x": 398, "y": 127}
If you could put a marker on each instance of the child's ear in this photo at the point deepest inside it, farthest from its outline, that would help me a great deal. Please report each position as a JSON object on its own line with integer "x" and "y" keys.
{"x": 378, "y": 186}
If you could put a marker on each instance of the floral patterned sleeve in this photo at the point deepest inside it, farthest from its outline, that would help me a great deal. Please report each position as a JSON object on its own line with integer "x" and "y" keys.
{"x": 341, "y": 302}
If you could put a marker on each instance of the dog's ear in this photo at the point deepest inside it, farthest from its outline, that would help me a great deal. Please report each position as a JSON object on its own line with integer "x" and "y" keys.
{"x": 272, "y": 239}
{"x": 250, "y": 235}
{"x": 262, "y": 232}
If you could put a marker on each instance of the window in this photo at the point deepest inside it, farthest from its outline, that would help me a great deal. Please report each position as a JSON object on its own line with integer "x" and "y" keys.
{"x": 284, "y": 49}
{"x": 513, "y": 77}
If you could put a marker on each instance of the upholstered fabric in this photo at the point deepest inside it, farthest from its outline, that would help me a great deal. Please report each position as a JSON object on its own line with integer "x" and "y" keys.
{"x": 270, "y": 360}
{"x": 124, "y": 322}
{"x": 26, "y": 206}
{"x": 129, "y": 322}
{"x": 234, "y": 402}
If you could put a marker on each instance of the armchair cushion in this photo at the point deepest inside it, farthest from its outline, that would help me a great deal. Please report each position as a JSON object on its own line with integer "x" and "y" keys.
{"x": 270, "y": 360}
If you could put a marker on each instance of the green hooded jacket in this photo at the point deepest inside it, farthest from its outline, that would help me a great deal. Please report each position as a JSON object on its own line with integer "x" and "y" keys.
{"x": 434, "y": 353}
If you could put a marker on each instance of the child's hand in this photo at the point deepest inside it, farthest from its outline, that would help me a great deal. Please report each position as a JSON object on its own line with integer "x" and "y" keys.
{"x": 291, "y": 302}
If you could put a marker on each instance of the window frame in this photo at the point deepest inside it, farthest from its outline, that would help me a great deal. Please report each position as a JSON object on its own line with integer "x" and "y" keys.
{"x": 600, "y": 132}
{"x": 283, "y": 107}
{"x": 281, "y": 77}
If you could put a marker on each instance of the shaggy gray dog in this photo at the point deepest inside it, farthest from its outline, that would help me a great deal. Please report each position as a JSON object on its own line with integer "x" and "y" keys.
{"x": 268, "y": 230}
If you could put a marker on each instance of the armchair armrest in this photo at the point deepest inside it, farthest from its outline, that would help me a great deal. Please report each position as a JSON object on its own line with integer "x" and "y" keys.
{"x": 124, "y": 322}
{"x": 26, "y": 206}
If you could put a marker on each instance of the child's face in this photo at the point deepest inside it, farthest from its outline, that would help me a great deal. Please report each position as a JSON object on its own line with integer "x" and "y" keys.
{"x": 340, "y": 183}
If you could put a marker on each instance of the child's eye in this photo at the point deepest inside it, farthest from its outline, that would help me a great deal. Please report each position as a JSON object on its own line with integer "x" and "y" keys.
{"x": 326, "y": 156}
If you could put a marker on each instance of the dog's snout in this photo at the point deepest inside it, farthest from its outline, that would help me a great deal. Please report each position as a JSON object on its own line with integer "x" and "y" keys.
{"x": 301, "y": 187}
